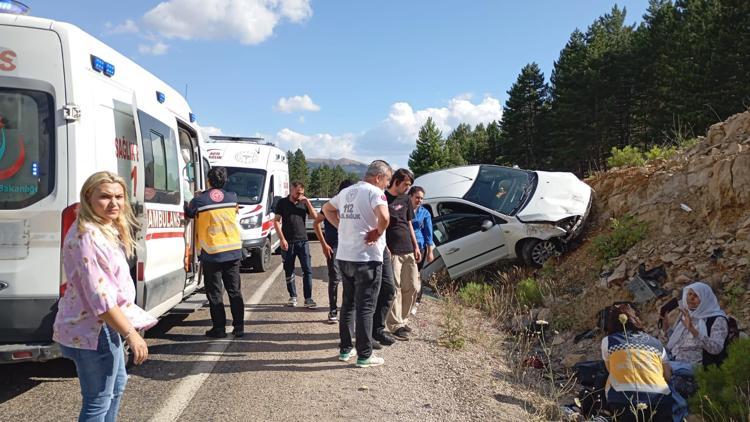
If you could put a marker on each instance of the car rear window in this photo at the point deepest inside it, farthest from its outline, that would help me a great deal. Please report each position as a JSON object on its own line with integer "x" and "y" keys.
{"x": 27, "y": 147}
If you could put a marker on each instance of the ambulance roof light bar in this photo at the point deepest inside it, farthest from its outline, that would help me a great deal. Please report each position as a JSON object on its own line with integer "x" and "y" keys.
{"x": 14, "y": 7}
{"x": 240, "y": 139}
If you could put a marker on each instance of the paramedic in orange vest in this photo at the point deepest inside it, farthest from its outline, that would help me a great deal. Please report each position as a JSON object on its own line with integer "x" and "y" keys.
{"x": 215, "y": 212}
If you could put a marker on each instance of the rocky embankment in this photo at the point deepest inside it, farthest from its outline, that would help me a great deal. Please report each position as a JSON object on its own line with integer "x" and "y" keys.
{"x": 697, "y": 207}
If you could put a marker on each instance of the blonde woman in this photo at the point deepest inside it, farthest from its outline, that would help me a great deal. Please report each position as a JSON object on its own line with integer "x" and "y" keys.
{"x": 97, "y": 307}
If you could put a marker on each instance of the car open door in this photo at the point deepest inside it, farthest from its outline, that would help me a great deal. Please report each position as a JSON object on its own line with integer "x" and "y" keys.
{"x": 466, "y": 238}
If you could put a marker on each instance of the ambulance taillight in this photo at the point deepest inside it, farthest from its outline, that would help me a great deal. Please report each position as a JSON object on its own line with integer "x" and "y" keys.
{"x": 69, "y": 216}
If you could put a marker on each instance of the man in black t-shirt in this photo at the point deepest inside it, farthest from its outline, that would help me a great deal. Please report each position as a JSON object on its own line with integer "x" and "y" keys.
{"x": 403, "y": 253}
{"x": 289, "y": 222}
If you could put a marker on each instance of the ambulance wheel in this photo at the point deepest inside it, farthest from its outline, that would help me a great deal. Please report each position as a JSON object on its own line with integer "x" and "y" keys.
{"x": 262, "y": 261}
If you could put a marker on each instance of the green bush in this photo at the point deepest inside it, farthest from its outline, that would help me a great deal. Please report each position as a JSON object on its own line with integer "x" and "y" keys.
{"x": 628, "y": 156}
{"x": 453, "y": 335}
{"x": 528, "y": 293}
{"x": 477, "y": 295}
{"x": 656, "y": 152}
{"x": 626, "y": 232}
{"x": 724, "y": 392}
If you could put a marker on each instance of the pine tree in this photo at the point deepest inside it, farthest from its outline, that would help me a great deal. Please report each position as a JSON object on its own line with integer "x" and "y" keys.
{"x": 494, "y": 151}
{"x": 480, "y": 153}
{"x": 522, "y": 118}
{"x": 568, "y": 130}
{"x": 455, "y": 144}
{"x": 298, "y": 167}
{"x": 429, "y": 154}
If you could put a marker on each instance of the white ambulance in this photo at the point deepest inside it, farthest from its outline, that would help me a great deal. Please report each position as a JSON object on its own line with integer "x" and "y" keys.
{"x": 70, "y": 106}
{"x": 259, "y": 173}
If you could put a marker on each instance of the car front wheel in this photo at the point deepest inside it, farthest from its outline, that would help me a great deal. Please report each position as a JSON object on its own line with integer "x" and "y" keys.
{"x": 536, "y": 252}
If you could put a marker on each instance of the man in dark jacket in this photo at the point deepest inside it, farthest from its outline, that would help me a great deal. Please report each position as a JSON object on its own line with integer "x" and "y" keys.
{"x": 215, "y": 212}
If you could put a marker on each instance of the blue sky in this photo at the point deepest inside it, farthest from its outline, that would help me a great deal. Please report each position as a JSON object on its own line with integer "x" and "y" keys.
{"x": 337, "y": 78}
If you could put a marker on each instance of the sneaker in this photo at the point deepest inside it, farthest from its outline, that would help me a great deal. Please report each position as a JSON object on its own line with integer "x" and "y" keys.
{"x": 238, "y": 332}
{"x": 385, "y": 339}
{"x": 292, "y": 301}
{"x": 310, "y": 304}
{"x": 371, "y": 361}
{"x": 216, "y": 333}
{"x": 333, "y": 317}
{"x": 376, "y": 345}
{"x": 407, "y": 328}
{"x": 344, "y": 357}
{"x": 401, "y": 334}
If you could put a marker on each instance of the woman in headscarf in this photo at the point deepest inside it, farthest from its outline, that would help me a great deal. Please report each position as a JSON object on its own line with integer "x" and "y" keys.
{"x": 697, "y": 337}
{"x": 699, "y": 334}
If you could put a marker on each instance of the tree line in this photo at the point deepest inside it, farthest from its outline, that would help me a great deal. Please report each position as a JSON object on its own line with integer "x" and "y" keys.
{"x": 320, "y": 182}
{"x": 659, "y": 83}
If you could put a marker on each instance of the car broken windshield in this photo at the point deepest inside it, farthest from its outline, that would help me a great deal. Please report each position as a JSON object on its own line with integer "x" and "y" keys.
{"x": 502, "y": 189}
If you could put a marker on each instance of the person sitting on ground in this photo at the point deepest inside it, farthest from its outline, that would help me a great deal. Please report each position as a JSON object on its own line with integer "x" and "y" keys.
{"x": 636, "y": 388}
{"x": 700, "y": 333}
{"x": 697, "y": 337}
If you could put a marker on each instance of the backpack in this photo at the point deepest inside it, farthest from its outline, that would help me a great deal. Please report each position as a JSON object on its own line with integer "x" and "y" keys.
{"x": 733, "y": 334}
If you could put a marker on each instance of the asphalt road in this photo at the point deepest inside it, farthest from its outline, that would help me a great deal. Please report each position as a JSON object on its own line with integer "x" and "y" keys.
{"x": 284, "y": 369}
{"x": 187, "y": 375}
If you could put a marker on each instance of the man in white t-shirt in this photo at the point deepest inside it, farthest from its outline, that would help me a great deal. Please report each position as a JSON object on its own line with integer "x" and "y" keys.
{"x": 361, "y": 214}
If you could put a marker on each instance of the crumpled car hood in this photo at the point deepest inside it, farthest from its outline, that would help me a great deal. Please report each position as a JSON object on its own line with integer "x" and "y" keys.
{"x": 558, "y": 195}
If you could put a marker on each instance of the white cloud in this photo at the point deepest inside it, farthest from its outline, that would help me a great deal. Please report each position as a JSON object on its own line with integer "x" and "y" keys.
{"x": 296, "y": 103}
{"x": 394, "y": 138}
{"x": 322, "y": 145}
{"x": 156, "y": 49}
{"x": 249, "y": 21}
{"x": 207, "y": 131}
{"x": 127, "y": 27}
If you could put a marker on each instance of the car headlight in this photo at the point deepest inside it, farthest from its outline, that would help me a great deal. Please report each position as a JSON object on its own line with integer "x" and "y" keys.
{"x": 568, "y": 224}
{"x": 253, "y": 222}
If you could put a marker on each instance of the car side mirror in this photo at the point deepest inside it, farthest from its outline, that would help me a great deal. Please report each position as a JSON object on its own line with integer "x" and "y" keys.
{"x": 486, "y": 225}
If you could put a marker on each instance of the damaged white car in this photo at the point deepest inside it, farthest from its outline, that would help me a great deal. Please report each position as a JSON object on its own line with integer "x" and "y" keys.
{"x": 487, "y": 213}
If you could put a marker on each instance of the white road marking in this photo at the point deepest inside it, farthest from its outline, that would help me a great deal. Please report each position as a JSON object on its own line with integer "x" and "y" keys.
{"x": 187, "y": 388}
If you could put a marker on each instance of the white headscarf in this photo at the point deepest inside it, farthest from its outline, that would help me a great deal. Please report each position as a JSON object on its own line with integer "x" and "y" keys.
{"x": 708, "y": 307}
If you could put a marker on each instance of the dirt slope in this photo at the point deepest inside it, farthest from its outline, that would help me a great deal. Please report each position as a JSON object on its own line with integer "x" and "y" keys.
{"x": 697, "y": 206}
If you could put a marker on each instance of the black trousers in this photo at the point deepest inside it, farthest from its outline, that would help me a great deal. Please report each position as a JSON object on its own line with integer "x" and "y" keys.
{"x": 385, "y": 296}
{"x": 361, "y": 282}
{"x": 214, "y": 273}
{"x": 334, "y": 278}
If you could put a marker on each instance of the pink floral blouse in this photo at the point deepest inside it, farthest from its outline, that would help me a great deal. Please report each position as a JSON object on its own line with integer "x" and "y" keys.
{"x": 98, "y": 279}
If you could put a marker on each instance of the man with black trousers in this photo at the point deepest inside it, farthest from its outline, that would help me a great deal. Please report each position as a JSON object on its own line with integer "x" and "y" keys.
{"x": 361, "y": 214}
{"x": 328, "y": 237}
{"x": 218, "y": 233}
{"x": 289, "y": 222}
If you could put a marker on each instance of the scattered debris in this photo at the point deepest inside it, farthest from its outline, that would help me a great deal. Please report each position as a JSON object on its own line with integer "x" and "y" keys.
{"x": 686, "y": 208}
{"x": 645, "y": 285}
